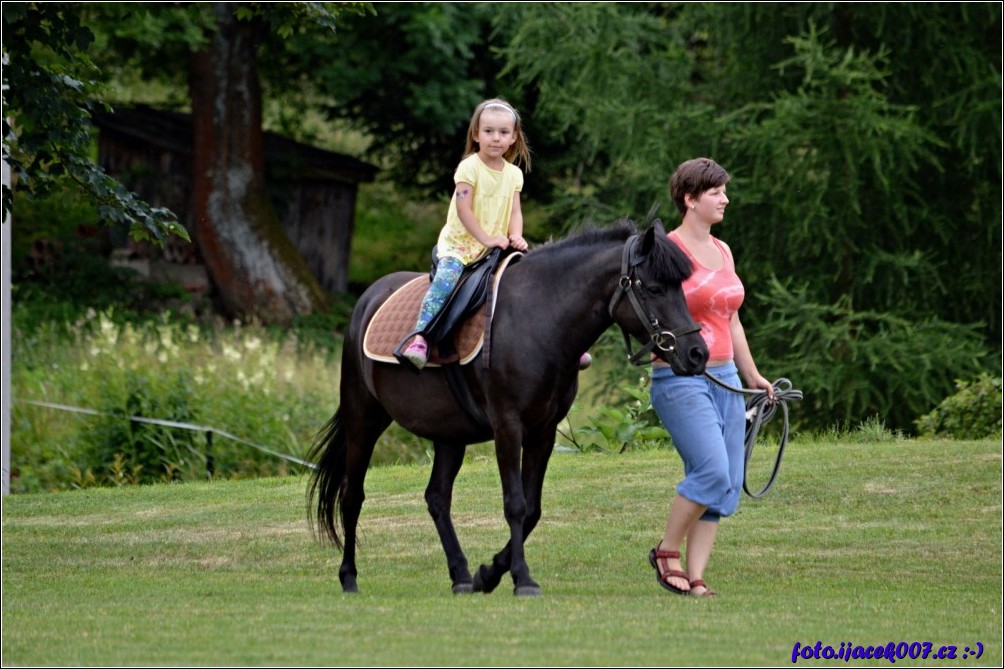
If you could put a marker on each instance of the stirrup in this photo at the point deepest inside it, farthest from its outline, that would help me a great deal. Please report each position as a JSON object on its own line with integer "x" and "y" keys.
{"x": 416, "y": 355}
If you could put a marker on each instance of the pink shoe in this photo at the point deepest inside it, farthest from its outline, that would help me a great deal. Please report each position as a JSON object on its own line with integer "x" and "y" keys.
{"x": 585, "y": 360}
{"x": 417, "y": 352}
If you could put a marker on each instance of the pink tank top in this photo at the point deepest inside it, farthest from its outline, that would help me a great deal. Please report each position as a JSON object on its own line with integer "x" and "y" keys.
{"x": 712, "y": 298}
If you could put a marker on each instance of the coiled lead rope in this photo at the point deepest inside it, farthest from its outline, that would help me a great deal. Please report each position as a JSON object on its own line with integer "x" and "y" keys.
{"x": 759, "y": 410}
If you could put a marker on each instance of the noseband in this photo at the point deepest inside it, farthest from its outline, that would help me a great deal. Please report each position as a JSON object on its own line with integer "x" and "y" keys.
{"x": 632, "y": 286}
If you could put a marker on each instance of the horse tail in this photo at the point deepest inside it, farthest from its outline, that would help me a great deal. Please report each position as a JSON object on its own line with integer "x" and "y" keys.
{"x": 329, "y": 452}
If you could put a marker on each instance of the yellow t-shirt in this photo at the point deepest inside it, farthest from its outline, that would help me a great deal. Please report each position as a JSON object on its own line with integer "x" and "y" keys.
{"x": 493, "y": 194}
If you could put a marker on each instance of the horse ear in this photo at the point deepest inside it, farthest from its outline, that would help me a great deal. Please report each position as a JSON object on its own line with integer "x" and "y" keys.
{"x": 647, "y": 241}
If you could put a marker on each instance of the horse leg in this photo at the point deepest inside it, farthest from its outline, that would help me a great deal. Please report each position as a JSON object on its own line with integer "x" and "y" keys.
{"x": 508, "y": 451}
{"x": 361, "y": 435}
{"x": 446, "y": 465}
{"x": 535, "y": 459}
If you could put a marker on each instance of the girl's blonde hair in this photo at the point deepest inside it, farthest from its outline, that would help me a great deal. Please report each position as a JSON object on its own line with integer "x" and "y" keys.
{"x": 519, "y": 149}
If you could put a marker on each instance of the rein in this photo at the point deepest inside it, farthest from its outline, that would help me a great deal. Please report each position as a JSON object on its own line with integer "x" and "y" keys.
{"x": 759, "y": 410}
{"x": 631, "y": 285}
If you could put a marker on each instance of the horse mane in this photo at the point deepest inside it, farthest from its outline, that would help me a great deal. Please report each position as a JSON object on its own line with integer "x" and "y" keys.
{"x": 667, "y": 263}
{"x": 618, "y": 232}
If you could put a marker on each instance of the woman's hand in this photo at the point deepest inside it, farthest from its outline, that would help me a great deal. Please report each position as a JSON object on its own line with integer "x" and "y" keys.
{"x": 758, "y": 382}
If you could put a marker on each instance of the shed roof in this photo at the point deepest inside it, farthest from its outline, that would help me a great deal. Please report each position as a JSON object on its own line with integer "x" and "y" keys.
{"x": 173, "y": 131}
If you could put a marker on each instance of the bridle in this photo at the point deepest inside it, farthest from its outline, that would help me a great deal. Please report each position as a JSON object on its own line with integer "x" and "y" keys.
{"x": 632, "y": 286}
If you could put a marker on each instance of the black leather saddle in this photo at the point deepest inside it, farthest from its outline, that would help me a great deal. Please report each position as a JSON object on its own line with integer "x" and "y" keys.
{"x": 467, "y": 297}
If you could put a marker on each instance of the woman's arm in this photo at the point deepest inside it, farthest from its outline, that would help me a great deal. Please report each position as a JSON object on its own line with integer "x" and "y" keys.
{"x": 744, "y": 358}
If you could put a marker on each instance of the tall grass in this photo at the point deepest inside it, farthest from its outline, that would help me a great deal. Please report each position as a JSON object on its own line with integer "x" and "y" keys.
{"x": 272, "y": 389}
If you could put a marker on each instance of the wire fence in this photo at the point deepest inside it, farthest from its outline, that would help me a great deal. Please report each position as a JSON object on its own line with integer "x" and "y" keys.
{"x": 205, "y": 429}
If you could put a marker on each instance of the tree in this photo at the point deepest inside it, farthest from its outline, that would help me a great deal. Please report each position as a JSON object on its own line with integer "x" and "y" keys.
{"x": 851, "y": 160}
{"x": 409, "y": 80}
{"x": 900, "y": 105}
{"x": 49, "y": 92}
{"x": 254, "y": 267}
{"x": 617, "y": 94}
{"x": 857, "y": 175}
{"x": 47, "y": 101}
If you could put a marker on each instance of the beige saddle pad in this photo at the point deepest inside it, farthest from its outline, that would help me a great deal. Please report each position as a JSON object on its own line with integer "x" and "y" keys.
{"x": 396, "y": 318}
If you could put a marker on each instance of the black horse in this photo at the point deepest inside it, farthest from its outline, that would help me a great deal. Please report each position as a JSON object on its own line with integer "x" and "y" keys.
{"x": 551, "y": 306}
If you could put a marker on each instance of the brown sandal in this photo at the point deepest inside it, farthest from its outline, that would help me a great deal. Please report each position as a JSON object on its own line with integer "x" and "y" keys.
{"x": 661, "y": 574}
{"x": 699, "y": 583}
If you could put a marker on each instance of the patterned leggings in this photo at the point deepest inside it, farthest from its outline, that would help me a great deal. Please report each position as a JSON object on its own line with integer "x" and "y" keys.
{"x": 447, "y": 275}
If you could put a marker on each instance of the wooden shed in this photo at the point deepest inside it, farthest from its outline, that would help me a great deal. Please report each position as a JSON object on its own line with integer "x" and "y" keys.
{"x": 313, "y": 191}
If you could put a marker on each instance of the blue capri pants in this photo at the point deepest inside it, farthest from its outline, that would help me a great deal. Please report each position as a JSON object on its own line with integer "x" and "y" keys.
{"x": 708, "y": 427}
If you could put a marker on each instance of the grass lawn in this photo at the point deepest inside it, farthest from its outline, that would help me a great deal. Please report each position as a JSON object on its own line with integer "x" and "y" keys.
{"x": 858, "y": 543}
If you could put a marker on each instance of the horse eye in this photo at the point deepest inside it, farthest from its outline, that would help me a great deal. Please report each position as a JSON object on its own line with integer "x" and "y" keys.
{"x": 656, "y": 290}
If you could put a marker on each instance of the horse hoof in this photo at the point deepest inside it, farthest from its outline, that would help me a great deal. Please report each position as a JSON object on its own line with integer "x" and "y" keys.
{"x": 349, "y": 584}
{"x": 485, "y": 581}
{"x": 532, "y": 590}
{"x": 463, "y": 588}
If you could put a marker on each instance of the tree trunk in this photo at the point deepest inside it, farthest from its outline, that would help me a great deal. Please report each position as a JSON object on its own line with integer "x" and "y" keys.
{"x": 255, "y": 268}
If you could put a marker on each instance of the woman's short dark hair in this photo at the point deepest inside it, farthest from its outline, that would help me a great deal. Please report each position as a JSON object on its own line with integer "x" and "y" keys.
{"x": 693, "y": 177}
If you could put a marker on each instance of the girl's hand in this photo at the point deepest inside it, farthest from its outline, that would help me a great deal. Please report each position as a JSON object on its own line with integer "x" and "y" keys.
{"x": 518, "y": 243}
{"x": 500, "y": 241}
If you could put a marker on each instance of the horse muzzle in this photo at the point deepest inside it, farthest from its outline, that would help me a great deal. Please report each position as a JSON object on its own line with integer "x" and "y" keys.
{"x": 686, "y": 353}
